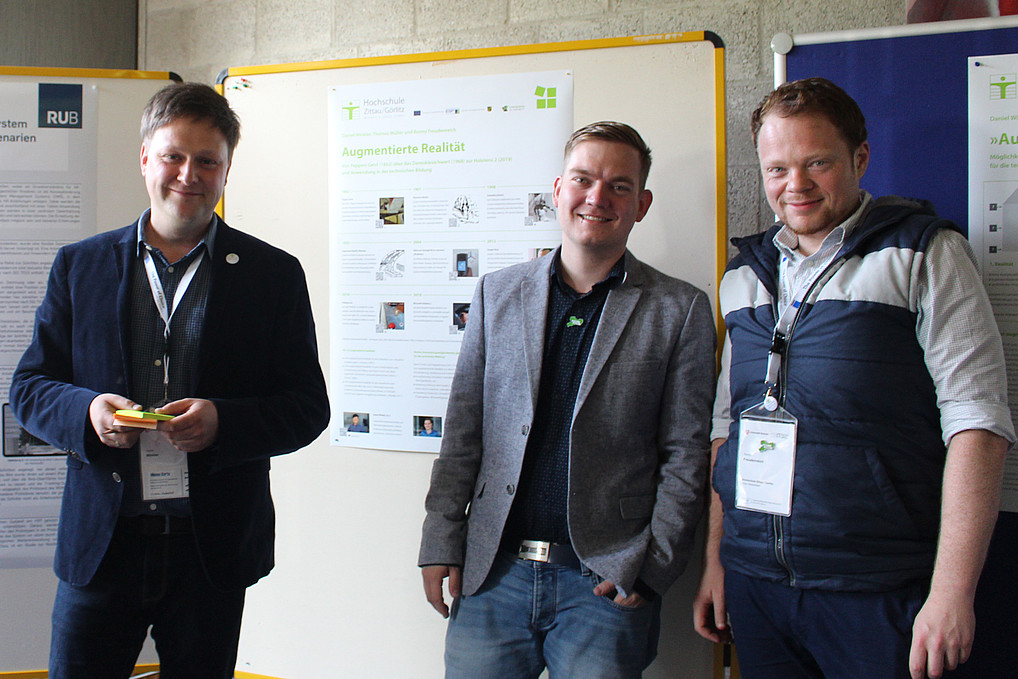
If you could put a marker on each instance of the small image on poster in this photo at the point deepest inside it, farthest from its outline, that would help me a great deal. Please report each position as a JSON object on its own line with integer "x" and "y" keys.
{"x": 31, "y": 481}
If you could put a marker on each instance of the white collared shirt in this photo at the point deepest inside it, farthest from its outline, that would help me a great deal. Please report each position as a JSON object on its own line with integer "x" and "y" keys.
{"x": 797, "y": 271}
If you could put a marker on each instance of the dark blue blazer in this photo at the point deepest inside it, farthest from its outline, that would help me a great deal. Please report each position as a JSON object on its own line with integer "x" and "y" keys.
{"x": 258, "y": 362}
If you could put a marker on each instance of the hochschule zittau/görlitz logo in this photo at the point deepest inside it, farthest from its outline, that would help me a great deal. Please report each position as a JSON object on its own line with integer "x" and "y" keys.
{"x": 1003, "y": 86}
{"x": 385, "y": 106}
{"x": 351, "y": 110}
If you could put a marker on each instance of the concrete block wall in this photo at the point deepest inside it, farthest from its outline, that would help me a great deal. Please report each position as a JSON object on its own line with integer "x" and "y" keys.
{"x": 199, "y": 38}
{"x": 68, "y": 33}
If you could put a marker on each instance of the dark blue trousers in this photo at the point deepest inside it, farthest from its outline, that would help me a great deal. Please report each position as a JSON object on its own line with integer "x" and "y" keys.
{"x": 783, "y": 632}
{"x": 146, "y": 581}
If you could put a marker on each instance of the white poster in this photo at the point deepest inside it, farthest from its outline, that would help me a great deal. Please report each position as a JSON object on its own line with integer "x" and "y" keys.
{"x": 993, "y": 211}
{"x": 48, "y": 153}
{"x": 432, "y": 183}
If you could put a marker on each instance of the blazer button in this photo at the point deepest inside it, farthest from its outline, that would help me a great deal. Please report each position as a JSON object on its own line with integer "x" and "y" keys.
{"x": 116, "y": 477}
{"x": 525, "y": 430}
{"x": 510, "y": 489}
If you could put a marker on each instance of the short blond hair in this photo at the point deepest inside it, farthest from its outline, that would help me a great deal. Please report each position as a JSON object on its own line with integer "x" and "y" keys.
{"x": 609, "y": 130}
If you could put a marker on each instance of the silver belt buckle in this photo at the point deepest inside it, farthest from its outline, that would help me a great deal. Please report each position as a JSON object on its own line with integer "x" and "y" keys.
{"x": 534, "y": 550}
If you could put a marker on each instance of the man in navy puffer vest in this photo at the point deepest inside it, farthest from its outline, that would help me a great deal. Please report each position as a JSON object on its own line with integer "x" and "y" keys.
{"x": 861, "y": 420}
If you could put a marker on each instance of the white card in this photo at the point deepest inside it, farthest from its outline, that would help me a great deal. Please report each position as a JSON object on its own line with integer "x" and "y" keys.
{"x": 766, "y": 464}
{"x": 163, "y": 468}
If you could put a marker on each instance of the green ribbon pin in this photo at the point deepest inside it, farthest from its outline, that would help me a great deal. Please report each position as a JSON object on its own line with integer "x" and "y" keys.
{"x": 573, "y": 320}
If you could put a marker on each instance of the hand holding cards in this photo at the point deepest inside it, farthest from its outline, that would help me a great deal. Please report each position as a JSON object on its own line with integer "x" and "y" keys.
{"x": 140, "y": 418}
{"x": 164, "y": 473}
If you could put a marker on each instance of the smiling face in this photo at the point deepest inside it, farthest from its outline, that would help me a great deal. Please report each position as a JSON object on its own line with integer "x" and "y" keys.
{"x": 185, "y": 164}
{"x": 810, "y": 174}
{"x": 599, "y": 198}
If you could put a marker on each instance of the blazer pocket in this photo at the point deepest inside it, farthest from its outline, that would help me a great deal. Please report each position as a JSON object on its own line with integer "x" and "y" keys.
{"x": 636, "y": 506}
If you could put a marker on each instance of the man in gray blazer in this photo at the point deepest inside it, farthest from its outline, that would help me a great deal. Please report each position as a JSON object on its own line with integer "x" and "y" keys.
{"x": 558, "y": 529}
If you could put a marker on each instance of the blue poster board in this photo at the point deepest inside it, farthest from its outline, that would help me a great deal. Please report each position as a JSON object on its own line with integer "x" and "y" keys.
{"x": 913, "y": 90}
{"x": 912, "y": 85}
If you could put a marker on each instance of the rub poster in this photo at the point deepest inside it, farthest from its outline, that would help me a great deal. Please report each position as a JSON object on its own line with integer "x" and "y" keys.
{"x": 48, "y": 156}
{"x": 432, "y": 184}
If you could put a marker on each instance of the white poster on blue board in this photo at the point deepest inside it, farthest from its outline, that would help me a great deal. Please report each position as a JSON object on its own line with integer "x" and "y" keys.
{"x": 432, "y": 184}
{"x": 48, "y": 158}
{"x": 993, "y": 211}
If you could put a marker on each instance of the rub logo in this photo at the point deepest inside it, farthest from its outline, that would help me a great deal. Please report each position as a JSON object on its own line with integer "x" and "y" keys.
{"x": 59, "y": 106}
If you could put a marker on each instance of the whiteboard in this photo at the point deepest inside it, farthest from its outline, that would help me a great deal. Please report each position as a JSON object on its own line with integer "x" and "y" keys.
{"x": 345, "y": 598}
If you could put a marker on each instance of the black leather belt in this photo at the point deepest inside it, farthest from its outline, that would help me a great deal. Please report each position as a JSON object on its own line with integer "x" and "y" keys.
{"x": 547, "y": 552}
{"x": 149, "y": 524}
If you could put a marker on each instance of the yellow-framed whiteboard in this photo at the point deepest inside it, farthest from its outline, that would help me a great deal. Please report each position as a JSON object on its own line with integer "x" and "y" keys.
{"x": 346, "y": 591}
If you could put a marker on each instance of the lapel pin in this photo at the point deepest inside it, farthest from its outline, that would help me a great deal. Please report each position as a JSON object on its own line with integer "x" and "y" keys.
{"x": 232, "y": 258}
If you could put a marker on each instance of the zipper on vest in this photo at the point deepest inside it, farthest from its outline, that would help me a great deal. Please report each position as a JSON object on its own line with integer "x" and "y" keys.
{"x": 779, "y": 548}
{"x": 779, "y": 532}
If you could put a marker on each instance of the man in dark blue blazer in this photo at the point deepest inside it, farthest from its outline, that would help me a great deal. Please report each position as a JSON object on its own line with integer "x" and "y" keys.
{"x": 180, "y": 314}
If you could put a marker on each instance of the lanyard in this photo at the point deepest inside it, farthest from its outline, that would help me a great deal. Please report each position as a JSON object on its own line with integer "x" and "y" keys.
{"x": 166, "y": 312}
{"x": 783, "y": 331}
{"x": 779, "y": 344}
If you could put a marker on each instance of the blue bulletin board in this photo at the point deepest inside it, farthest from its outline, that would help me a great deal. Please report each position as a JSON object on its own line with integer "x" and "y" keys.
{"x": 912, "y": 85}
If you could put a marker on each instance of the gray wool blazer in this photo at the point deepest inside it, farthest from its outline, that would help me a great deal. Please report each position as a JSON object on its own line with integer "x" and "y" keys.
{"x": 640, "y": 446}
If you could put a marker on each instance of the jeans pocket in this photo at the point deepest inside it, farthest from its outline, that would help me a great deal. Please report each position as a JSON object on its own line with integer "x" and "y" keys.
{"x": 609, "y": 599}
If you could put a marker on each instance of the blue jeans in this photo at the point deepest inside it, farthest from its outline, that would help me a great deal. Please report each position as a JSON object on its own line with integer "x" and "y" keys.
{"x": 783, "y": 632}
{"x": 529, "y": 615}
{"x": 99, "y": 628}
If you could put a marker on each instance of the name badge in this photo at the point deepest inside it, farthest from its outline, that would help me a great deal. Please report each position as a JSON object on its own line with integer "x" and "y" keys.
{"x": 766, "y": 462}
{"x": 163, "y": 468}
